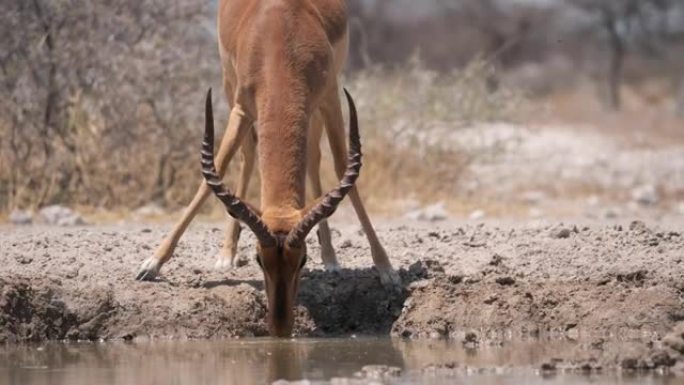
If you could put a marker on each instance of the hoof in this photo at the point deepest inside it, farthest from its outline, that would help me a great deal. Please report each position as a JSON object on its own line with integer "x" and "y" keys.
{"x": 332, "y": 267}
{"x": 225, "y": 261}
{"x": 148, "y": 270}
{"x": 329, "y": 259}
{"x": 223, "y": 264}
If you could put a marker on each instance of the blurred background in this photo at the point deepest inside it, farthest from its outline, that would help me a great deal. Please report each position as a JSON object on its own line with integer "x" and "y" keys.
{"x": 469, "y": 108}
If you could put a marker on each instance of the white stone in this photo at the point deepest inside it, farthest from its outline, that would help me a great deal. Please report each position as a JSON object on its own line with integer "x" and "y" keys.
{"x": 611, "y": 213}
{"x": 21, "y": 217}
{"x": 646, "y": 195}
{"x": 432, "y": 213}
{"x": 150, "y": 209}
{"x": 533, "y": 197}
{"x": 60, "y": 216}
{"x": 536, "y": 213}
{"x": 477, "y": 215}
{"x": 680, "y": 208}
{"x": 593, "y": 201}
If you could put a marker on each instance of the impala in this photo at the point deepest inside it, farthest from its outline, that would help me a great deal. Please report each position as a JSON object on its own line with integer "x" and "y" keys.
{"x": 280, "y": 62}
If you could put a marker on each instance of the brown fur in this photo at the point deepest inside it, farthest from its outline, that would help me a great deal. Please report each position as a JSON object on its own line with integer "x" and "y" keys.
{"x": 280, "y": 61}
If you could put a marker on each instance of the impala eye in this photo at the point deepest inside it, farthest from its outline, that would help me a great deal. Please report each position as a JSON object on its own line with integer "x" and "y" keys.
{"x": 303, "y": 262}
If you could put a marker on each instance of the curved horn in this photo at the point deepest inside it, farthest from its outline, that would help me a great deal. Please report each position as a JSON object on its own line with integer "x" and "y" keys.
{"x": 327, "y": 205}
{"x": 235, "y": 207}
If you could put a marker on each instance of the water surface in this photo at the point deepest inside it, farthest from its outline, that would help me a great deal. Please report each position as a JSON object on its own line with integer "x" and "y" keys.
{"x": 262, "y": 361}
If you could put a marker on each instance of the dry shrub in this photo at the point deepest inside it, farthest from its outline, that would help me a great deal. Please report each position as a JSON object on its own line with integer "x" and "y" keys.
{"x": 103, "y": 116}
{"x": 100, "y": 100}
{"x": 405, "y": 113}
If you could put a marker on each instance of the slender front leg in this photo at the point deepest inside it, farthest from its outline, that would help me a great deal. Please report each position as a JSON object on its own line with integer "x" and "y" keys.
{"x": 238, "y": 125}
{"x": 334, "y": 124}
{"x": 228, "y": 255}
{"x": 314, "y": 168}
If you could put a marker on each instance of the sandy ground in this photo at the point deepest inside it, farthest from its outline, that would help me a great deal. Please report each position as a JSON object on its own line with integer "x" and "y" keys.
{"x": 474, "y": 282}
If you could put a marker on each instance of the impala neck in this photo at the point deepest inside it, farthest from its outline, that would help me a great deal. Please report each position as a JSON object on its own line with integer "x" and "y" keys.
{"x": 282, "y": 131}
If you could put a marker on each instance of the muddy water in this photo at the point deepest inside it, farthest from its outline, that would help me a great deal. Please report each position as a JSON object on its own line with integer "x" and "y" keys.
{"x": 261, "y": 361}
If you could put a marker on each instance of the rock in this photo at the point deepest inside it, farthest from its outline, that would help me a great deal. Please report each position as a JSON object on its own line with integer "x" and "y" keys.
{"x": 71, "y": 273}
{"x": 477, "y": 215}
{"x": 470, "y": 340}
{"x": 447, "y": 368}
{"x": 629, "y": 363}
{"x": 408, "y": 204}
{"x": 455, "y": 279}
{"x": 638, "y": 227}
{"x": 535, "y": 213}
{"x": 436, "y": 212}
{"x": 432, "y": 213}
{"x": 611, "y": 213}
{"x": 60, "y": 216}
{"x": 533, "y": 197}
{"x": 593, "y": 201}
{"x": 379, "y": 371}
{"x": 426, "y": 268}
{"x": 284, "y": 382}
{"x": 491, "y": 299}
{"x": 496, "y": 260}
{"x": 646, "y": 195}
{"x": 418, "y": 269}
{"x": 423, "y": 283}
{"x": 433, "y": 267}
{"x": 505, "y": 281}
{"x": 149, "y": 210}
{"x": 21, "y": 217}
{"x": 23, "y": 259}
{"x": 561, "y": 233}
{"x": 598, "y": 344}
{"x": 346, "y": 244}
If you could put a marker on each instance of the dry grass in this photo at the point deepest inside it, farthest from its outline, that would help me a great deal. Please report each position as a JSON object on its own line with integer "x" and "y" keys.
{"x": 398, "y": 107}
{"x": 400, "y": 111}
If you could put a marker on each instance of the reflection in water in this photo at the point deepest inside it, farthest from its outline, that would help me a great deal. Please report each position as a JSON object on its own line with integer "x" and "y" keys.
{"x": 263, "y": 361}
{"x": 218, "y": 362}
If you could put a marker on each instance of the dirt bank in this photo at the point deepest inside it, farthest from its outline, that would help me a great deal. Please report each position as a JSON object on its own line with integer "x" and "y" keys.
{"x": 473, "y": 282}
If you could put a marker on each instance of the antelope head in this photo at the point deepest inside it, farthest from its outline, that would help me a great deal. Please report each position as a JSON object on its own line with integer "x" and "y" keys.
{"x": 281, "y": 255}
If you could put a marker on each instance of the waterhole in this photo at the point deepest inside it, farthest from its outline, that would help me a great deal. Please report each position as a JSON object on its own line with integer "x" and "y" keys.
{"x": 311, "y": 361}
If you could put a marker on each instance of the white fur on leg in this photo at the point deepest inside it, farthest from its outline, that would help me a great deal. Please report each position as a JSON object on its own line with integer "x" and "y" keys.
{"x": 226, "y": 260}
{"x": 149, "y": 269}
